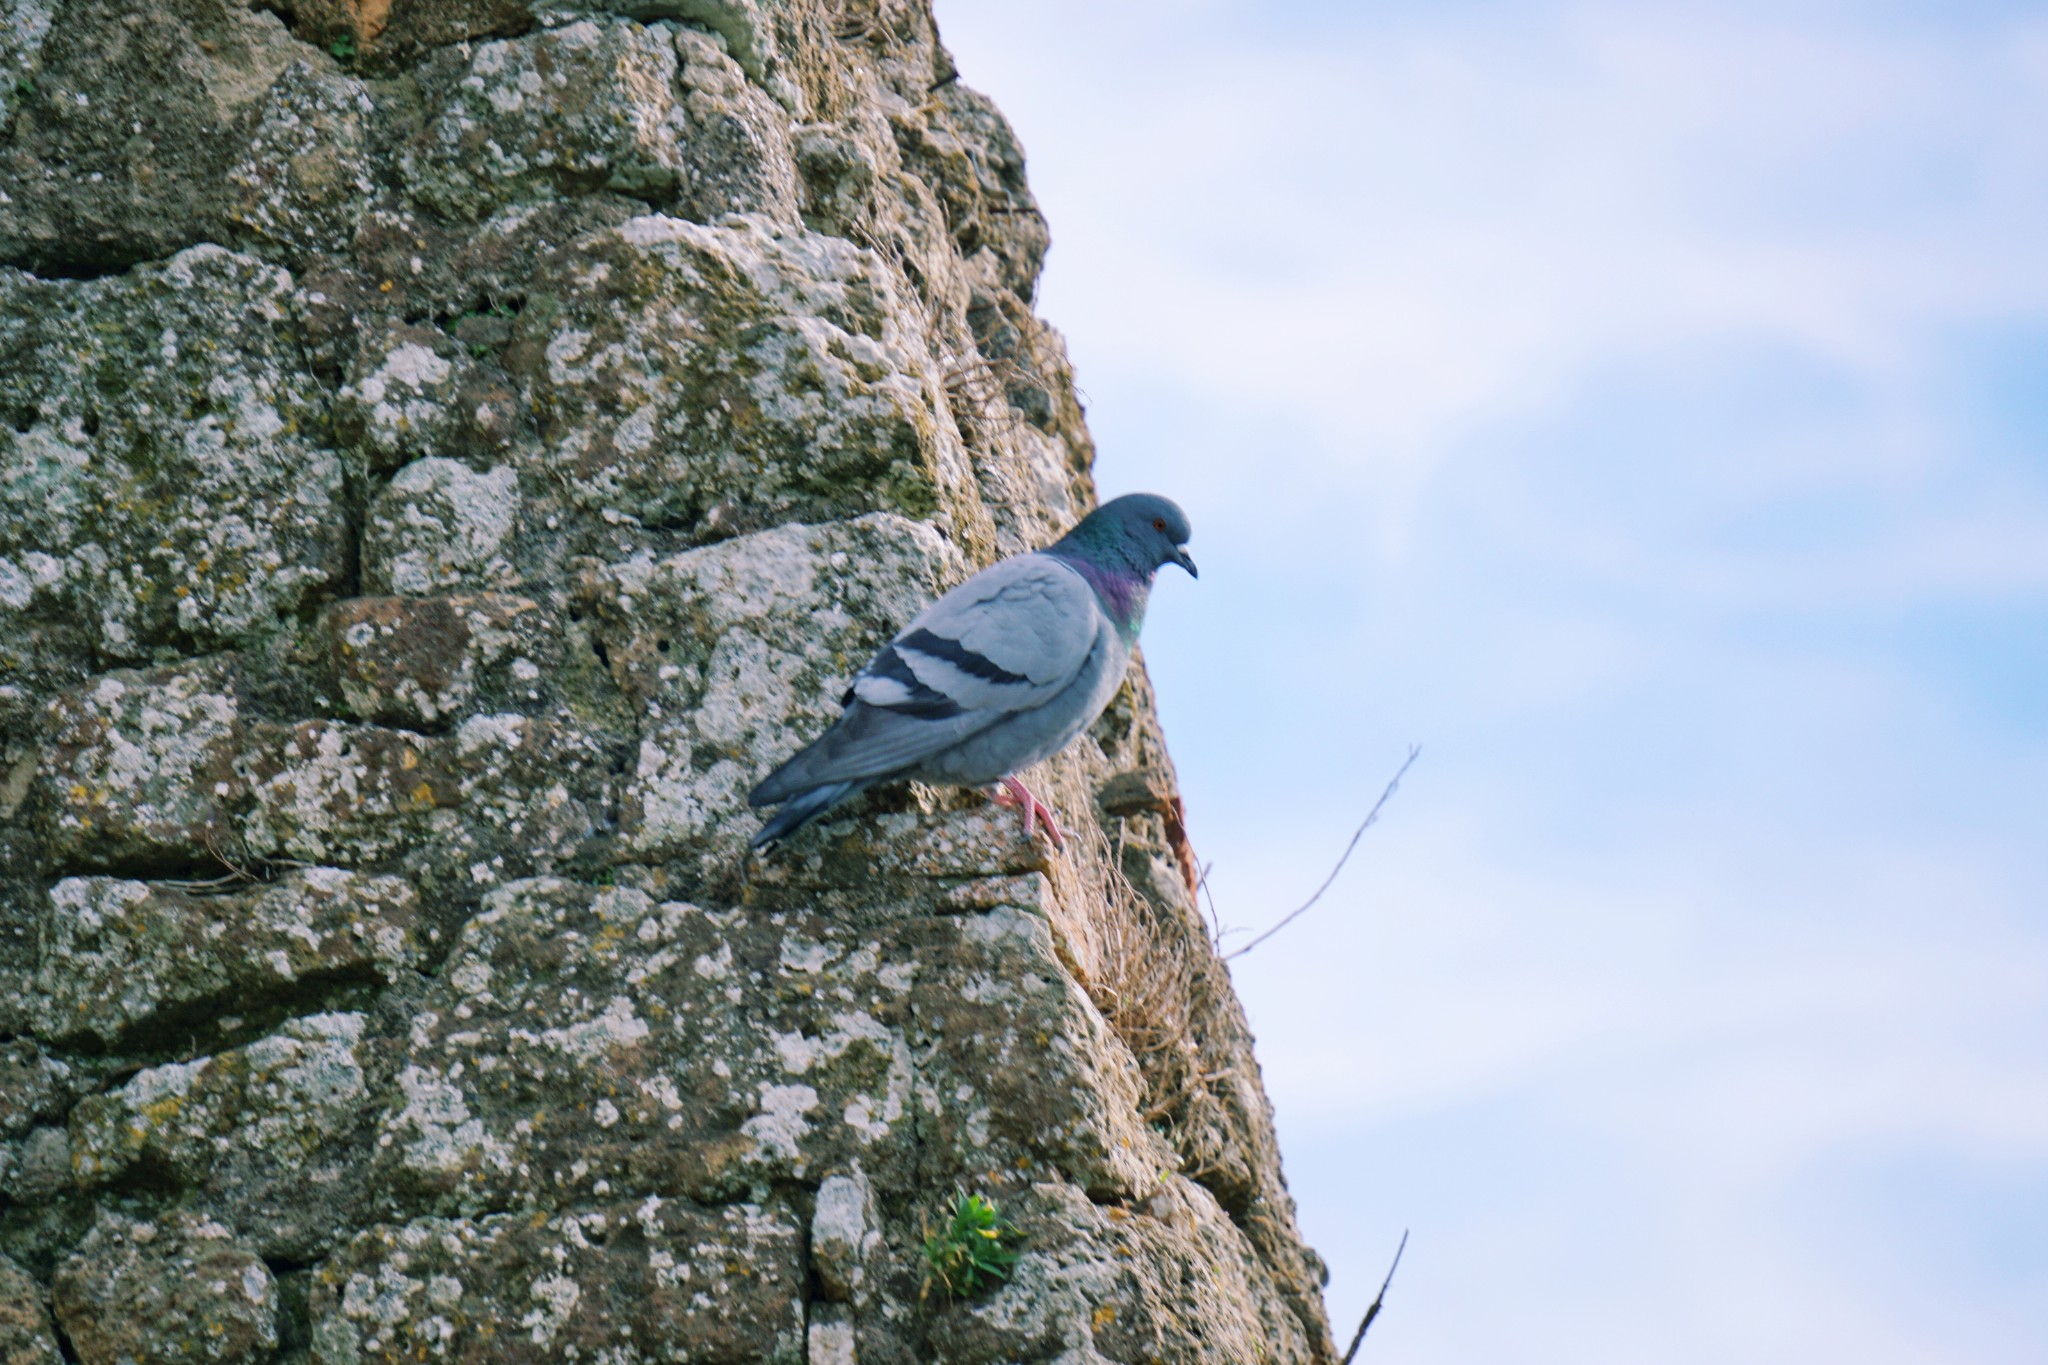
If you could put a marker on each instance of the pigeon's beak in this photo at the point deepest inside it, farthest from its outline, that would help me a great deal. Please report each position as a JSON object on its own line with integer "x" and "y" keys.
{"x": 1185, "y": 560}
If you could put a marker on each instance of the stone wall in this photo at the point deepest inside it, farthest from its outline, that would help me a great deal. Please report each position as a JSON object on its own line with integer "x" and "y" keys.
{"x": 449, "y": 450}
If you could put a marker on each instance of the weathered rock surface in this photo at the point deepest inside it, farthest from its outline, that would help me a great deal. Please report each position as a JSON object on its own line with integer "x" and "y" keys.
{"x": 176, "y": 1289}
{"x": 439, "y": 525}
{"x": 654, "y": 1279}
{"x": 449, "y": 450}
{"x": 138, "y": 768}
{"x": 25, "y": 1333}
{"x": 120, "y": 959}
{"x": 163, "y": 482}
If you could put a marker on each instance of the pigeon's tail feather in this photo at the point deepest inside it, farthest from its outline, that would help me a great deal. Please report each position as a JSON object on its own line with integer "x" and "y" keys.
{"x": 803, "y": 808}
{"x": 786, "y": 782}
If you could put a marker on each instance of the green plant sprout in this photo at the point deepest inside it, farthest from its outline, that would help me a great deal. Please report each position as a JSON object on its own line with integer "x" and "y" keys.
{"x": 968, "y": 1255}
{"x": 478, "y": 346}
{"x": 343, "y": 48}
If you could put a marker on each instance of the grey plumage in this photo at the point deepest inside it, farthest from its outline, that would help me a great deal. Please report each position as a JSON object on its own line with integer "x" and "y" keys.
{"x": 998, "y": 674}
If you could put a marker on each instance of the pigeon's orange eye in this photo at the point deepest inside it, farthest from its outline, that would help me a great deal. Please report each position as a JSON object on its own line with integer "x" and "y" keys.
{"x": 1159, "y": 523}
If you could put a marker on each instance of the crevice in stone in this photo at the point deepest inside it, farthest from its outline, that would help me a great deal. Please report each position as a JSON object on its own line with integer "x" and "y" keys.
{"x": 376, "y": 59}
{"x": 202, "y": 1029}
{"x": 64, "y": 1346}
{"x": 148, "y": 1180}
{"x": 910, "y": 1217}
{"x": 178, "y": 869}
{"x": 73, "y": 269}
{"x": 294, "y": 1307}
{"x": 349, "y": 583}
{"x": 1105, "y": 1199}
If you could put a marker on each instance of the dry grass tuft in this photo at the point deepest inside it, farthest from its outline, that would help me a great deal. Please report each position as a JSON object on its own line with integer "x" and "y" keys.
{"x": 978, "y": 389}
{"x": 1158, "y": 983}
{"x": 977, "y": 386}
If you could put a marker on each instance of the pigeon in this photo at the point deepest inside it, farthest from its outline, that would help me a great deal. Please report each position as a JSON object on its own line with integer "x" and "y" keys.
{"x": 996, "y": 675}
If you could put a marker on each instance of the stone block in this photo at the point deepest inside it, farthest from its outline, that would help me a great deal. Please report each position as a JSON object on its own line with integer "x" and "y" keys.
{"x": 26, "y": 1335}
{"x": 163, "y": 481}
{"x": 266, "y": 1136}
{"x": 139, "y": 770}
{"x": 126, "y": 959}
{"x": 652, "y": 1280}
{"x": 178, "y": 1290}
{"x": 731, "y": 651}
{"x": 419, "y": 662}
{"x": 647, "y": 112}
{"x": 439, "y": 526}
{"x": 713, "y": 380}
{"x": 119, "y": 148}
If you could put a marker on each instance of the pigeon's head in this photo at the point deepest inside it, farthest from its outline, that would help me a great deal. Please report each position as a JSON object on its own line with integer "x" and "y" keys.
{"x": 1139, "y": 532}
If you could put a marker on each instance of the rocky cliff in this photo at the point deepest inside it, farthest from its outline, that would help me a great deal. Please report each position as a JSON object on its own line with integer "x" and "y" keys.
{"x": 450, "y": 449}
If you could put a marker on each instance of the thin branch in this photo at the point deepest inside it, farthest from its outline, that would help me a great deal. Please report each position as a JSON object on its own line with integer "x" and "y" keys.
{"x": 1374, "y": 1311}
{"x": 220, "y": 883}
{"x": 1394, "y": 785}
{"x": 1215, "y": 920}
{"x": 237, "y": 874}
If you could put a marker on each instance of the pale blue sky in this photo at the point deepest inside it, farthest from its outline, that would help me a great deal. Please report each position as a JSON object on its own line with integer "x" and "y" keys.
{"x": 1644, "y": 408}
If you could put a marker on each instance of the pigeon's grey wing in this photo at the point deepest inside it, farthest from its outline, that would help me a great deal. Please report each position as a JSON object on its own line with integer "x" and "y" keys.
{"x": 1010, "y": 638}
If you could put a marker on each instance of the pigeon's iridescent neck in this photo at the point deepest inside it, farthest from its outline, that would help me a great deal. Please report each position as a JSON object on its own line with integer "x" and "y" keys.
{"x": 1122, "y": 592}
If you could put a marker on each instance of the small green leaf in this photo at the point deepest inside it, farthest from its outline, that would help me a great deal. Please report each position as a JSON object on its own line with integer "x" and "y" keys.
{"x": 969, "y": 1254}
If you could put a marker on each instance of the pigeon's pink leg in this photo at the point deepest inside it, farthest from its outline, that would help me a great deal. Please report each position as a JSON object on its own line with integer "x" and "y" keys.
{"x": 1011, "y": 792}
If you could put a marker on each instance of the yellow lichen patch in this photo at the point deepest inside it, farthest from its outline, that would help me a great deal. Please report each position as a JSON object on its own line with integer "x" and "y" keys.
{"x": 159, "y": 1113}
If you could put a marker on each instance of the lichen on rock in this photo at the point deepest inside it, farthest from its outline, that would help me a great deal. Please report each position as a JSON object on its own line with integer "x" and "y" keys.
{"x": 26, "y": 1337}
{"x": 124, "y": 125}
{"x": 656, "y": 1279}
{"x": 720, "y": 648}
{"x": 715, "y": 378}
{"x": 439, "y": 525}
{"x": 418, "y": 662}
{"x": 177, "y": 1290}
{"x": 658, "y": 114}
{"x": 138, "y": 772}
{"x": 162, "y": 477}
{"x": 449, "y": 451}
{"x": 123, "y": 958}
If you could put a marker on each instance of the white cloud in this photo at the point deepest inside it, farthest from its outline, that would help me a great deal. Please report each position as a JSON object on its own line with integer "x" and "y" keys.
{"x": 1396, "y": 229}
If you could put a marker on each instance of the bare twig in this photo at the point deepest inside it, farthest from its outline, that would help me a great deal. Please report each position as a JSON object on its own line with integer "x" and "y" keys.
{"x": 1374, "y": 1311}
{"x": 1215, "y": 920}
{"x": 220, "y": 883}
{"x": 237, "y": 874}
{"x": 1393, "y": 785}
{"x": 977, "y": 384}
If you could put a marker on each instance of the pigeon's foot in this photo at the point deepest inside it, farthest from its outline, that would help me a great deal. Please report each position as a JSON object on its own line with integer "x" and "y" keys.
{"x": 1011, "y": 792}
